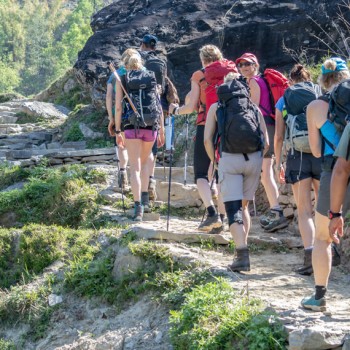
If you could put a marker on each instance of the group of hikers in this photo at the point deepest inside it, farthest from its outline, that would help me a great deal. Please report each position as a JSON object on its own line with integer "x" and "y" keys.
{"x": 249, "y": 124}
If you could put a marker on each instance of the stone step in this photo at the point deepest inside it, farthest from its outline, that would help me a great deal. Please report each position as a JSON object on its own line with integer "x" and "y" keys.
{"x": 6, "y": 119}
{"x": 27, "y": 154}
{"x": 9, "y": 113}
{"x": 10, "y": 128}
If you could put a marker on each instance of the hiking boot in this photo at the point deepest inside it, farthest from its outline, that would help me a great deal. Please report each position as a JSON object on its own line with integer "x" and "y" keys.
{"x": 306, "y": 269}
{"x": 138, "y": 212}
{"x": 266, "y": 219}
{"x": 315, "y": 305}
{"x": 216, "y": 230}
{"x": 145, "y": 202}
{"x": 152, "y": 189}
{"x": 336, "y": 259}
{"x": 241, "y": 262}
{"x": 277, "y": 221}
{"x": 123, "y": 179}
{"x": 210, "y": 222}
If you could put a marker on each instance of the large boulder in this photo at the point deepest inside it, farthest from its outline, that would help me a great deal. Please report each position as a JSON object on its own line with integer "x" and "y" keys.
{"x": 264, "y": 27}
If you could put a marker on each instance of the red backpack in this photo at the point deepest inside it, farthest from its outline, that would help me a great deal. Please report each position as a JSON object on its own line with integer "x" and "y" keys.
{"x": 277, "y": 84}
{"x": 214, "y": 75}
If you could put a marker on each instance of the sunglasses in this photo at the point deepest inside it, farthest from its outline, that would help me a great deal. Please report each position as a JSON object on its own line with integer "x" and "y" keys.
{"x": 245, "y": 64}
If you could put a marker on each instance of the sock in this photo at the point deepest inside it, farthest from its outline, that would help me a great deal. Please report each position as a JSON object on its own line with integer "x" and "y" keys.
{"x": 320, "y": 292}
{"x": 137, "y": 203}
{"x": 151, "y": 177}
{"x": 144, "y": 198}
{"x": 309, "y": 248}
{"x": 122, "y": 169}
{"x": 222, "y": 217}
{"x": 211, "y": 210}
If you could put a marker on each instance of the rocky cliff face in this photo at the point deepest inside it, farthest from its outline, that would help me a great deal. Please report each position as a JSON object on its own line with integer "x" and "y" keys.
{"x": 263, "y": 27}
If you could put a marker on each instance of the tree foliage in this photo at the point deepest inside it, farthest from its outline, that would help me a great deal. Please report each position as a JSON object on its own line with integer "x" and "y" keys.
{"x": 40, "y": 40}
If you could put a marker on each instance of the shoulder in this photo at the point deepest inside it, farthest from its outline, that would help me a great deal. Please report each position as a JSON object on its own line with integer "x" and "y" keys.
{"x": 280, "y": 103}
{"x": 197, "y": 75}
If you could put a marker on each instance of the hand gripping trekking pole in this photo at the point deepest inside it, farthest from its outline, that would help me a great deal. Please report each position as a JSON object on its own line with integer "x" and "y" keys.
{"x": 186, "y": 151}
{"x": 113, "y": 70}
{"x": 119, "y": 176}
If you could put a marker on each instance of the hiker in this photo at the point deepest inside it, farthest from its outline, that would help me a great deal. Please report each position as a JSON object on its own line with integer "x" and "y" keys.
{"x": 167, "y": 91}
{"x": 324, "y": 136}
{"x": 242, "y": 132}
{"x": 202, "y": 93}
{"x": 248, "y": 66}
{"x": 110, "y": 105}
{"x": 340, "y": 186}
{"x": 303, "y": 169}
{"x": 141, "y": 129}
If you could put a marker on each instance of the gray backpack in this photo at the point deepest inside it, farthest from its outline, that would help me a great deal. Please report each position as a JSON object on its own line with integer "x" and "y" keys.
{"x": 296, "y": 98}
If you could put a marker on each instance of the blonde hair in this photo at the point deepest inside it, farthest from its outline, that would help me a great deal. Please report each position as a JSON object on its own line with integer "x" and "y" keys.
{"x": 231, "y": 76}
{"x": 328, "y": 80}
{"x": 132, "y": 59}
{"x": 209, "y": 54}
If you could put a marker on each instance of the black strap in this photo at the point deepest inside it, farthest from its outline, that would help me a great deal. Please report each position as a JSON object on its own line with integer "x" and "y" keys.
{"x": 245, "y": 157}
{"x": 348, "y": 151}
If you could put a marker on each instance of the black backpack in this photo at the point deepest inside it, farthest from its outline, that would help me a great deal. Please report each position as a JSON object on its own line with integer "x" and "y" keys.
{"x": 339, "y": 105}
{"x": 238, "y": 119}
{"x": 296, "y": 99}
{"x": 141, "y": 86}
{"x": 155, "y": 64}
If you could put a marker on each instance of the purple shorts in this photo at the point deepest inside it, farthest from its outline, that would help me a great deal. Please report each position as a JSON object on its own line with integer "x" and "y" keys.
{"x": 141, "y": 134}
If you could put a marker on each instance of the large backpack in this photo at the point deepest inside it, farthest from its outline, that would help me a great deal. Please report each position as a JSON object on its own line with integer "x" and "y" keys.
{"x": 238, "y": 119}
{"x": 141, "y": 86}
{"x": 339, "y": 105}
{"x": 155, "y": 64}
{"x": 277, "y": 84}
{"x": 296, "y": 99}
{"x": 214, "y": 75}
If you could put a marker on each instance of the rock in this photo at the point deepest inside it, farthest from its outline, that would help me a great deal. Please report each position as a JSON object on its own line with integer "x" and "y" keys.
{"x": 110, "y": 196}
{"x": 74, "y": 144}
{"x": 55, "y": 299}
{"x": 16, "y": 186}
{"x": 8, "y": 219}
{"x": 283, "y": 199}
{"x": 190, "y": 25}
{"x": 125, "y": 263}
{"x": 288, "y": 212}
{"x": 316, "y": 337}
{"x": 180, "y": 195}
{"x": 88, "y": 133}
{"x": 44, "y": 110}
{"x": 346, "y": 344}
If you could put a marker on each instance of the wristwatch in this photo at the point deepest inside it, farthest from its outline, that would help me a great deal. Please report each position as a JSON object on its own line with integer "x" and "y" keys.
{"x": 118, "y": 132}
{"x": 332, "y": 215}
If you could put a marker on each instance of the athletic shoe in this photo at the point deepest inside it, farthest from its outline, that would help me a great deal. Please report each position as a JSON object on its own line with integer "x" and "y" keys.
{"x": 277, "y": 221}
{"x": 266, "y": 219}
{"x": 146, "y": 208}
{"x": 123, "y": 179}
{"x": 138, "y": 213}
{"x": 216, "y": 230}
{"x": 315, "y": 305}
{"x": 210, "y": 222}
{"x": 152, "y": 189}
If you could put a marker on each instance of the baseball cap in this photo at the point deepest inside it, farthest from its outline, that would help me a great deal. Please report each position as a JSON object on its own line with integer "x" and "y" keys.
{"x": 249, "y": 57}
{"x": 150, "y": 39}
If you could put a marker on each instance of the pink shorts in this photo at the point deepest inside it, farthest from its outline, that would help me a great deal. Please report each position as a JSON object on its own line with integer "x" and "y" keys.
{"x": 141, "y": 134}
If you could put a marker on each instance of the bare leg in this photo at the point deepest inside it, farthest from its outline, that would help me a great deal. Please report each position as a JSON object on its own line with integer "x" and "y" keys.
{"x": 269, "y": 182}
{"x": 321, "y": 254}
{"x": 302, "y": 195}
{"x": 205, "y": 192}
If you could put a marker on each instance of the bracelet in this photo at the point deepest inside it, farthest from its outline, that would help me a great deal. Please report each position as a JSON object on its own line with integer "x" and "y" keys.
{"x": 118, "y": 132}
{"x": 176, "y": 111}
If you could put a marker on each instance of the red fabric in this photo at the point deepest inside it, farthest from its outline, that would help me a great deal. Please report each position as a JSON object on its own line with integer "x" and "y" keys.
{"x": 277, "y": 84}
{"x": 214, "y": 75}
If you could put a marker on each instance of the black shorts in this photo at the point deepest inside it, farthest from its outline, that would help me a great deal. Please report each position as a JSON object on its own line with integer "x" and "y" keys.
{"x": 301, "y": 166}
{"x": 201, "y": 160}
{"x": 271, "y": 132}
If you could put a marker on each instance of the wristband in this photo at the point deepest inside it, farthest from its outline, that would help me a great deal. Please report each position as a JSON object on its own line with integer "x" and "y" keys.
{"x": 176, "y": 111}
{"x": 332, "y": 215}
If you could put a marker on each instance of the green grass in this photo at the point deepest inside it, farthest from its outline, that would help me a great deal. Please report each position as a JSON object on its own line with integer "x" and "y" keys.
{"x": 7, "y": 345}
{"x": 62, "y": 196}
{"x": 214, "y": 316}
{"x": 24, "y": 118}
{"x": 10, "y": 175}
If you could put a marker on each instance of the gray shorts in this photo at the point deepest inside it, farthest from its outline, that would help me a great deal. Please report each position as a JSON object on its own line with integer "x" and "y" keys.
{"x": 239, "y": 178}
{"x": 324, "y": 199}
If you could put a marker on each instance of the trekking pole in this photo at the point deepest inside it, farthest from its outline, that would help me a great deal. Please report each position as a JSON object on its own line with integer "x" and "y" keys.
{"x": 186, "y": 151}
{"x": 169, "y": 187}
{"x": 211, "y": 186}
{"x": 114, "y": 71}
{"x": 118, "y": 167}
